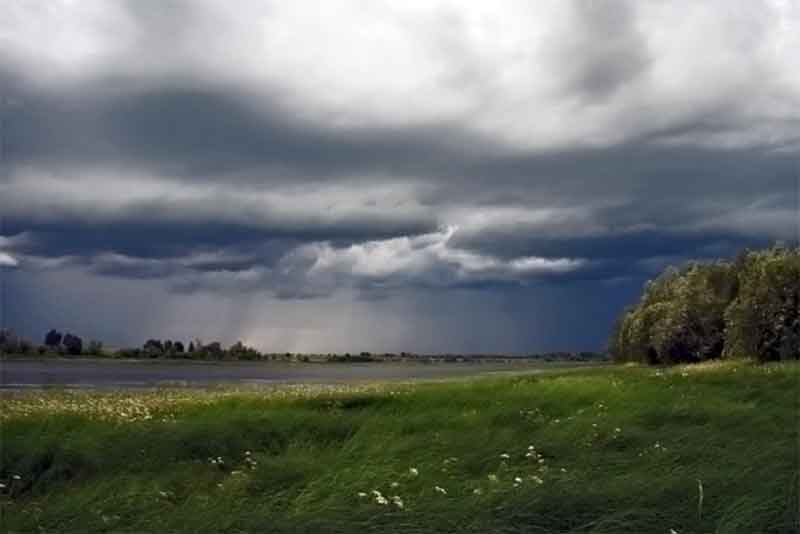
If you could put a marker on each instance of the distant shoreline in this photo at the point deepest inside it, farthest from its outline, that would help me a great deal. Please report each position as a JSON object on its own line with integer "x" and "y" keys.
{"x": 314, "y": 360}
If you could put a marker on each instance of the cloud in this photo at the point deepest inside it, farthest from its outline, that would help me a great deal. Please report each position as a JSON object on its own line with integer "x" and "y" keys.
{"x": 7, "y": 260}
{"x": 510, "y": 73}
{"x": 427, "y": 260}
{"x": 385, "y": 151}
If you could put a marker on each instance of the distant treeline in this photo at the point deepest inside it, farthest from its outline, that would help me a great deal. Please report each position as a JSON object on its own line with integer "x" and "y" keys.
{"x": 56, "y": 343}
{"x": 741, "y": 308}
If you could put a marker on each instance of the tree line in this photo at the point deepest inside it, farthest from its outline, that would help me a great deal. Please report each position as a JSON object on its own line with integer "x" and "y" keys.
{"x": 747, "y": 307}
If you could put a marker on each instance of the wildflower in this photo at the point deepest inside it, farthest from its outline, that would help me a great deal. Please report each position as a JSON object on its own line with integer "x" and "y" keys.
{"x": 163, "y": 493}
{"x": 492, "y": 477}
{"x": 383, "y": 501}
{"x": 397, "y": 501}
{"x": 518, "y": 480}
{"x": 413, "y": 472}
{"x": 537, "y": 479}
{"x": 673, "y": 531}
{"x": 505, "y": 456}
{"x": 618, "y": 430}
{"x": 376, "y": 493}
{"x": 440, "y": 489}
{"x": 477, "y": 491}
{"x": 2, "y": 486}
{"x": 16, "y": 477}
{"x": 531, "y": 448}
{"x": 563, "y": 469}
{"x": 556, "y": 421}
{"x": 394, "y": 484}
{"x": 361, "y": 495}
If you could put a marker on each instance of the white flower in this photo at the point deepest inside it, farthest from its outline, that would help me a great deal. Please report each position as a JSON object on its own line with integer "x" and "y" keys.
{"x": 537, "y": 480}
{"x": 361, "y": 495}
{"x": 2, "y": 486}
{"x": 505, "y": 456}
{"x": 492, "y": 477}
{"x": 397, "y": 501}
{"x": 618, "y": 429}
{"x": 477, "y": 491}
{"x": 673, "y": 531}
{"x": 376, "y": 493}
{"x": 16, "y": 477}
{"x": 440, "y": 489}
{"x": 413, "y": 472}
{"x": 394, "y": 484}
{"x": 381, "y": 500}
{"x": 518, "y": 480}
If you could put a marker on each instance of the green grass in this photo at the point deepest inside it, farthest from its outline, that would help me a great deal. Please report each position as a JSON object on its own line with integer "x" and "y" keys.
{"x": 616, "y": 450}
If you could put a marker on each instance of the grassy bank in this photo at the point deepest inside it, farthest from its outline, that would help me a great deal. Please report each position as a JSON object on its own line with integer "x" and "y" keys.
{"x": 710, "y": 448}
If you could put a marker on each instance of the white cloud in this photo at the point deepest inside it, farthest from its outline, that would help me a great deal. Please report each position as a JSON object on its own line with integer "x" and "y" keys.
{"x": 425, "y": 259}
{"x": 7, "y": 260}
{"x": 518, "y": 73}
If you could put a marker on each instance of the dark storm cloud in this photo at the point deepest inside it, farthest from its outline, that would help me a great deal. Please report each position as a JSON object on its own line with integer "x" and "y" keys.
{"x": 200, "y": 134}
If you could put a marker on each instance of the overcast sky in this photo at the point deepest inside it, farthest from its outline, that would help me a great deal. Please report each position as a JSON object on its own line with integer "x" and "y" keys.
{"x": 369, "y": 175}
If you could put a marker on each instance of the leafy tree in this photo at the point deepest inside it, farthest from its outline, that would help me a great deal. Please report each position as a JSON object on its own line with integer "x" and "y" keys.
{"x": 53, "y": 338}
{"x": 764, "y": 320}
{"x": 72, "y": 344}
{"x": 747, "y": 307}
{"x": 153, "y": 348}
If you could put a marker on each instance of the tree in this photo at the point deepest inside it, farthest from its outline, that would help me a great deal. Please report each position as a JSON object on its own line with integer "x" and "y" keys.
{"x": 764, "y": 320}
{"x": 73, "y": 344}
{"x": 53, "y": 338}
{"x": 742, "y": 308}
{"x": 153, "y": 348}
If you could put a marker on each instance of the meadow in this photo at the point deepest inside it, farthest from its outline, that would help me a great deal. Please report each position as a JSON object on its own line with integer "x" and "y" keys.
{"x": 707, "y": 448}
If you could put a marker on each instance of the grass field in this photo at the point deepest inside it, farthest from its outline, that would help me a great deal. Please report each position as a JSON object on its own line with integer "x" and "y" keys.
{"x": 708, "y": 448}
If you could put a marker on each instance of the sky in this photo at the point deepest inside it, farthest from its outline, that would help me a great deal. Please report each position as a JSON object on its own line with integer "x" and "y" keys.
{"x": 437, "y": 176}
